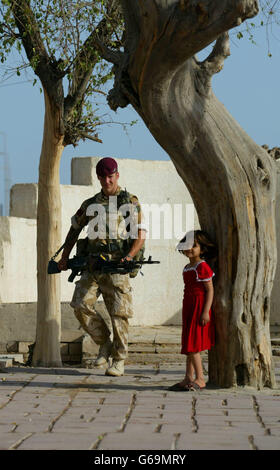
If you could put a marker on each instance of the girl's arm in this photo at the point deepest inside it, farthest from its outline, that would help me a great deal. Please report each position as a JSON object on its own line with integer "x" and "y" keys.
{"x": 205, "y": 318}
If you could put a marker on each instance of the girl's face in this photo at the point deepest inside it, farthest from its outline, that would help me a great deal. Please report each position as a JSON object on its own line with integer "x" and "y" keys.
{"x": 195, "y": 252}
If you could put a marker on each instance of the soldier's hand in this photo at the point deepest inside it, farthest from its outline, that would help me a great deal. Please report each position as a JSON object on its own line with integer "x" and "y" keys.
{"x": 127, "y": 258}
{"x": 62, "y": 264}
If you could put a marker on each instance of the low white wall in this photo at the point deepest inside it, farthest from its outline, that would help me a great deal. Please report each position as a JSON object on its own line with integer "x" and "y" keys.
{"x": 157, "y": 295}
{"x": 24, "y": 198}
{"x": 153, "y": 181}
{"x": 18, "y": 260}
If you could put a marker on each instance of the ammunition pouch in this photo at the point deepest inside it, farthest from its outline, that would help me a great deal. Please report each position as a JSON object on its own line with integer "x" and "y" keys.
{"x": 118, "y": 248}
{"x": 82, "y": 247}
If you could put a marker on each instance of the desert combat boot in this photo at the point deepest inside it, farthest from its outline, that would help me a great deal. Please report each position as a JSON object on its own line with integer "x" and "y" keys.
{"x": 116, "y": 369}
{"x": 103, "y": 354}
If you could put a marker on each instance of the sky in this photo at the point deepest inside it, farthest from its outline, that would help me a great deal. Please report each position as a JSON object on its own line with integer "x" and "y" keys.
{"x": 248, "y": 86}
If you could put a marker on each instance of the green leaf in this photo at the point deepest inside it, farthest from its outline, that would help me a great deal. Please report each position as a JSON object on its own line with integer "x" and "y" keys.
{"x": 57, "y": 31}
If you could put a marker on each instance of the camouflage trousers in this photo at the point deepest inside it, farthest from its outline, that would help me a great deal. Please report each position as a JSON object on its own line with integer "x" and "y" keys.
{"x": 116, "y": 292}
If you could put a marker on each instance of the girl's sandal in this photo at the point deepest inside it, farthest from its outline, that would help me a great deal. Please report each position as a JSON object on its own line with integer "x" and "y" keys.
{"x": 180, "y": 388}
{"x": 190, "y": 387}
{"x": 193, "y": 387}
{"x": 177, "y": 387}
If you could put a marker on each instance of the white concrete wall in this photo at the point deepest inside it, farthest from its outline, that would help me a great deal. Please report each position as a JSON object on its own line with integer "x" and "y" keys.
{"x": 23, "y": 201}
{"x": 157, "y": 296}
{"x": 153, "y": 181}
{"x": 18, "y": 275}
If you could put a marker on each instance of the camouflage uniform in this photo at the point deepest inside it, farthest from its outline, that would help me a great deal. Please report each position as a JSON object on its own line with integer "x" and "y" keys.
{"x": 116, "y": 292}
{"x": 115, "y": 288}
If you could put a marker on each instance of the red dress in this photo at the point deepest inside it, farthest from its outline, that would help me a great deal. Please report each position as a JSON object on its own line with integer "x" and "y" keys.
{"x": 196, "y": 337}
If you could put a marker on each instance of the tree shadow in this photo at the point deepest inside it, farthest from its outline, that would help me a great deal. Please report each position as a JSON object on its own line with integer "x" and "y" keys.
{"x": 98, "y": 387}
{"x": 45, "y": 370}
{"x": 94, "y": 371}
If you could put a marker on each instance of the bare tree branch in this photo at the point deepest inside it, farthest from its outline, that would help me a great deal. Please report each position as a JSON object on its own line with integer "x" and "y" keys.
{"x": 30, "y": 36}
{"x": 86, "y": 60}
{"x": 212, "y": 64}
{"x": 85, "y": 135}
{"x": 43, "y": 65}
{"x": 108, "y": 54}
{"x": 215, "y": 61}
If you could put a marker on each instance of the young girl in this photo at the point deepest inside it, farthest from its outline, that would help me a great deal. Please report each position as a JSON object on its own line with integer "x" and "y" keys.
{"x": 198, "y": 332}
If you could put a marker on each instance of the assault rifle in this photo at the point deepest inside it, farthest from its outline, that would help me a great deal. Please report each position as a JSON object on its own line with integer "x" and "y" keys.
{"x": 98, "y": 263}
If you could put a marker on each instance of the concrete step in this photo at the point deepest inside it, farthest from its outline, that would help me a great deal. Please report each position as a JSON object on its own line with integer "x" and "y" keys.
{"x": 146, "y": 344}
{"x": 146, "y": 358}
{"x": 151, "y": 344}
{"x": 4, "y": 363}
{"x": 9, "y": 360}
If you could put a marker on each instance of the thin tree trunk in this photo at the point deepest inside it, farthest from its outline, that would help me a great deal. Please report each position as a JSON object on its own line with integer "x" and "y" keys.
{"x": 232, "y": 180}
{"x": 48, "y": 332}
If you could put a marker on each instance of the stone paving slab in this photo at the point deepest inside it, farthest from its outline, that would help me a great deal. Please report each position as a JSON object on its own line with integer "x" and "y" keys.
{"x": 83, "y": 409}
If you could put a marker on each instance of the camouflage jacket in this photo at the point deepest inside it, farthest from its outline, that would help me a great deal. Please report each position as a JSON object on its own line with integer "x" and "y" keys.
{"x": 113, "y": 223}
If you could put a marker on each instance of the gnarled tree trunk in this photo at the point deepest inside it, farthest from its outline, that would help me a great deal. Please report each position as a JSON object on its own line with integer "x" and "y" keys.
{"x": 47, "y": 347}
{"x": 231, "y": 179}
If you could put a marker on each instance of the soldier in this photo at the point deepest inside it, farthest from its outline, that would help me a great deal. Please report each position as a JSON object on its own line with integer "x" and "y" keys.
{"x": 115, "y": 288}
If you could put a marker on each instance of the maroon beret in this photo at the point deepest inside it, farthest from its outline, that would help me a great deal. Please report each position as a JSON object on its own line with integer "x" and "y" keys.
{"x": 106, "y": 166}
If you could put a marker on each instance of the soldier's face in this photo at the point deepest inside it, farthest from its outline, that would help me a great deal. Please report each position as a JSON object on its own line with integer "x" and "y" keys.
{"x": 109, "y": 183}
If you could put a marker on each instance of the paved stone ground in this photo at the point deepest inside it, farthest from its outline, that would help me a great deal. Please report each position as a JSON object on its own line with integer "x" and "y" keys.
{"x": 82, "y": 409}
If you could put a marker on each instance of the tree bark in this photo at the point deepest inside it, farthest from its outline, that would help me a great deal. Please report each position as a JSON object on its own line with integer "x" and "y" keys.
{"x": 47, "y": 347}
{"x": 231, "y": 179}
